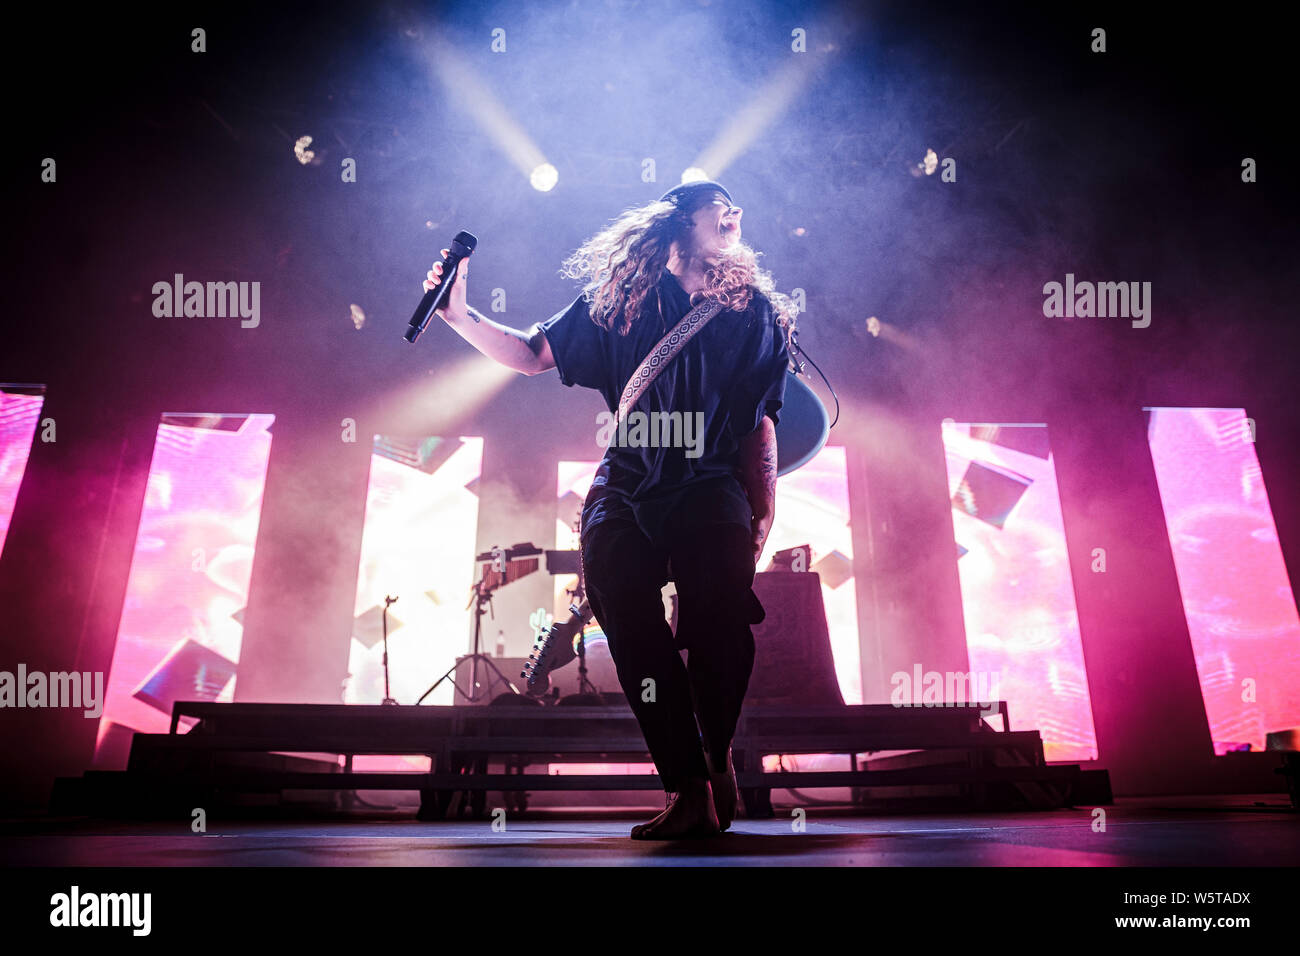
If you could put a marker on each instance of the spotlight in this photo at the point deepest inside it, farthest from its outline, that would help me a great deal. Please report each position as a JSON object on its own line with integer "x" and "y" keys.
{"x": 694, "y": 174}
{"x": 544, "y": 177}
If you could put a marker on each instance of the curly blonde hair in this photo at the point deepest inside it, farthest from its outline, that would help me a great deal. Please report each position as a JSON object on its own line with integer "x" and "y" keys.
{"x": 621, "y": 265}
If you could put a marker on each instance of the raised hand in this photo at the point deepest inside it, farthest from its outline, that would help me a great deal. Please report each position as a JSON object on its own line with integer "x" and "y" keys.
{"x": 454, "y": 307}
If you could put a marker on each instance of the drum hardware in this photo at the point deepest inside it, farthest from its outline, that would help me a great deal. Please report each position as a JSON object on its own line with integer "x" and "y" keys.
{"x": 498, "y": 567}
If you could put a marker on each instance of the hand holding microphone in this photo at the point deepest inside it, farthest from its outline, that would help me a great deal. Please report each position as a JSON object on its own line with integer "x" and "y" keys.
{"x": 446, "y": 299}
{"x": 444, "y": 296}
{"x": 454, "y": 302}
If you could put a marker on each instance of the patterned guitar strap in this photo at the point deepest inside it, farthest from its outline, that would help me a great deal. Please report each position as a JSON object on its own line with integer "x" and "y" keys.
{"x": 665, "y": 352}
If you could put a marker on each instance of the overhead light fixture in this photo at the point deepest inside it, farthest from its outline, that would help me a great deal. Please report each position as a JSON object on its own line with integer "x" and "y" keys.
{"x": 544, "y": 177}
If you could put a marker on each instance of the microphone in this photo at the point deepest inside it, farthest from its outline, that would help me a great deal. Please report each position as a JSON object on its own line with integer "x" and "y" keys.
{"x": 462, "y": 247}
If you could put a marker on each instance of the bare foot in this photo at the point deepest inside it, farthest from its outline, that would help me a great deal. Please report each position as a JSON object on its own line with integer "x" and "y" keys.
{"x": 689, "y": 813}
{"x": 726, "y": 795}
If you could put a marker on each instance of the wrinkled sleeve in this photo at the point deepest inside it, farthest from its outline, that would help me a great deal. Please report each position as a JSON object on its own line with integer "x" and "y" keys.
{"x": 762, "y": 390}
{"x": 577, "y": 345}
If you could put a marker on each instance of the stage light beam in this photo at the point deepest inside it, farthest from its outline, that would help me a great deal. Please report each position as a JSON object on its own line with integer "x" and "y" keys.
{"x": 442, "y": 404}
{"x": 753, "y": 120}
{"x": 776, "y": 95}
{"x": 470, "y": 94}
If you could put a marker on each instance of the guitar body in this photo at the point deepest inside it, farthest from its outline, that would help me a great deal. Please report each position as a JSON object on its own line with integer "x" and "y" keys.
{"x": 804, "y": 426}
{"x": 554, "y": 649}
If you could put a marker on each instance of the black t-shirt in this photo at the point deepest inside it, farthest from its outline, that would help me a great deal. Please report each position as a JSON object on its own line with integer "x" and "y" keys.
{"x": 725, "y": 379}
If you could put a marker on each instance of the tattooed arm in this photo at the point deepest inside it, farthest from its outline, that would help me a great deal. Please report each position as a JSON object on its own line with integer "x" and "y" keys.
{"x": 524, "y": 351}
{"x": 758, "y": 475}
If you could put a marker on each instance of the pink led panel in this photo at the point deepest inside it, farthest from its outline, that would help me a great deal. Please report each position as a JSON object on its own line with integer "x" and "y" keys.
{"x": 20, "y": 410}
{"x": 181, "y": 628}
{"x": 1241, "y": 611}
{"x": 1022, "y": 626}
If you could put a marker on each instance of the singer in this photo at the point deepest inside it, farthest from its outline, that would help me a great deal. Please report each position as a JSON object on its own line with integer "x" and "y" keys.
{"x": 676, "y": 263}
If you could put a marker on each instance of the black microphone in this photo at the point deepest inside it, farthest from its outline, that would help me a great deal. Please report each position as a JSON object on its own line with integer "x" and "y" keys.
{"x": 462, "y": 247}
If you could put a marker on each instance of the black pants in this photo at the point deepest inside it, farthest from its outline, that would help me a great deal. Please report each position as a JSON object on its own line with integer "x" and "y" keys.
{"x": 713, "y": 568}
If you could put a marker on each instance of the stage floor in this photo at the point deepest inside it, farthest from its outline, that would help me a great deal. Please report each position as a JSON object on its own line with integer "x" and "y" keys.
{"x": 1181, "y": 831}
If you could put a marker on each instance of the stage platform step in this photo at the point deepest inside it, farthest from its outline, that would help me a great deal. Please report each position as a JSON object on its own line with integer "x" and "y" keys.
{"x": 146, "y": 748}
{"x": 267, "y": 748}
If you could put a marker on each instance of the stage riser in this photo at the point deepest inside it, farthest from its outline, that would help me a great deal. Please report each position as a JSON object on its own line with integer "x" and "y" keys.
{"x": 235, "y": 780}
{"x": 268, "y": 749}
{"x": 595, "y": 743}
{"x": 351, "y": 714}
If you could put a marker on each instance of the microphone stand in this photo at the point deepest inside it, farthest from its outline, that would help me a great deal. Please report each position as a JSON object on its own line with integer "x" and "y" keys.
{"x": 585, "y": 686}
{"x": 387, "y": 696}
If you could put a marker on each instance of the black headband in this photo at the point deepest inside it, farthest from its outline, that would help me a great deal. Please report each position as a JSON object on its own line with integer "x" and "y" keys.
{"x": 689, "y": 195}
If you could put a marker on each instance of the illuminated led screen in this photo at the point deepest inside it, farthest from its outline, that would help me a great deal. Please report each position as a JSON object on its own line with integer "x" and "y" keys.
{"x": 1022, "y": 626}
{"x": 19, "y": 413}
{"x": 418, "y": 546}
{"x": 1241, "y": 611}
{"x": 181, "y": 627}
